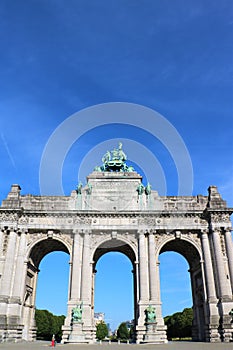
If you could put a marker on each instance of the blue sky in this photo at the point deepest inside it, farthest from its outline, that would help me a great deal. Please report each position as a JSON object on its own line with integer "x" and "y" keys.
{"x": 59, "y": 57}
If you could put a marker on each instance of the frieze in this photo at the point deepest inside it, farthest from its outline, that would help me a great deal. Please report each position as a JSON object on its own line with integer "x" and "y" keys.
{"x": 112, "y": 185}
{"x": 8, "y": 216}
{"x": 82, "y": 220}
{"x": 23, "y": 219}
{"x": 220, "y": 217}
{"x": 149, "y": 221}
{"x": 111, "y": 220}
{"x": 203, "y": 221}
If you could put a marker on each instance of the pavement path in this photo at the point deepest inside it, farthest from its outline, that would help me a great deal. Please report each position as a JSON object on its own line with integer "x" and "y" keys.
{"x": 39, "y": 345}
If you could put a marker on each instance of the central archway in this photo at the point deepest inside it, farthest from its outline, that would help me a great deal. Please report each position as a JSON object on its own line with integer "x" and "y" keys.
{"x": 123, "y": 248}
{"x": 193, "y": 257}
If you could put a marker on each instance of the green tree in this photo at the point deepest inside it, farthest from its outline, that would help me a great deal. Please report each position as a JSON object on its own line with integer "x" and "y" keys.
{"x": 122, "y": 332}
{"x": 48, "y": 324}
{"x": 179, "y": 325}
{"x": 101, "y": 330}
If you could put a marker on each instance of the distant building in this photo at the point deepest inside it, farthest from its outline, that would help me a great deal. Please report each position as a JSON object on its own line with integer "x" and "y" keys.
{"x": 98, "y": 317}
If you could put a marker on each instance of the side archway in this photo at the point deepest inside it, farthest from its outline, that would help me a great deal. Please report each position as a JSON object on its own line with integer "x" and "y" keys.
{"x": 36, "y": 252}
{"x": 192, "y": 254}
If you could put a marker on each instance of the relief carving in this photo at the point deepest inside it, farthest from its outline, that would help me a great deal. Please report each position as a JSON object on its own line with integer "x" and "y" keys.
{"x": 223, "y": 246}
{"x": 150, "y": 221}
{"x": 23, "y": 220}
{"x": 220, "y": 217}
{"x": 8, "y": 216}
{"x": 82, "y": 220}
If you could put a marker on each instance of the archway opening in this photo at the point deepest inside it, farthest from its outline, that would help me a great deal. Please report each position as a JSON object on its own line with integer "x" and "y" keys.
{"x": 48, "y": 289}
{"x": 52, "y": 285}
{"x": 182, "y": 285}
{"x": 176, "y": 292}
{"x": 115, "y": 284}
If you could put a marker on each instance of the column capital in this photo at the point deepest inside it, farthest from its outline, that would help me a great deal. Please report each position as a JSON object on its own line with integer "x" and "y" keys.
{"x": 141, "y": 232}
{"x": 217, "y": 230}
{"x": 228, "y": 229}
{"x": 82, "y": 231}
{"x": 13, "y": 229}
{"x": 204, "y": 232}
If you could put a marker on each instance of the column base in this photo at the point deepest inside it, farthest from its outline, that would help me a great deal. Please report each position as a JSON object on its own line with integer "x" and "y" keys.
{"x": 155, "y": 334}
{"x": 77, "y": 334}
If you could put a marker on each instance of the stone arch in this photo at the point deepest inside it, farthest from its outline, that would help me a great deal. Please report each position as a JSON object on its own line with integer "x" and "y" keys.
{"x": 121, "y": 245}
{"x": 125, "y": 247}
{"x": 193, "y": 255}
{"x": 182, "y": 245}
{"x": 35, "y": 253}
{"x": 43, "y": 246}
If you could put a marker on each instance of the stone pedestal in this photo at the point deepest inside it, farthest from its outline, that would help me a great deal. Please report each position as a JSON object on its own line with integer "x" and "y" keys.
{"x": 155, "y": 334}
{"x": 77, "y": 335}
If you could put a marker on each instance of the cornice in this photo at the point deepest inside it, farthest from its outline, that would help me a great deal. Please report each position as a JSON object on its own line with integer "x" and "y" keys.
{"x": 75, "y": 213}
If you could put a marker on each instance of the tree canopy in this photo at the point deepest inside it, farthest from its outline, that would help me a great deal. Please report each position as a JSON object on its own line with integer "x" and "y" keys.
{"x": 101, "y": 330}
{"x": 48, "y": 324}
{"x": 179, "y": 325}
{"x": 123, "y": 332}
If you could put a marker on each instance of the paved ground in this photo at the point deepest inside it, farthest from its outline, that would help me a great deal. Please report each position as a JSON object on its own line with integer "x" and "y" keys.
{"x": 113, "y": 346}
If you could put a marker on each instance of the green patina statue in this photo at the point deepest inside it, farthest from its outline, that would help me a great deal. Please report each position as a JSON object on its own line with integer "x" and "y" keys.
{"x": 140, "y": 189}
{"x": 89, "y": 188}
{"x": 79, "y": 188}
{"x": 148, "y": 189}
{"x": 77, "y": 313}
{"x": 114, "y": 161}
{"x": 150, "y": 314}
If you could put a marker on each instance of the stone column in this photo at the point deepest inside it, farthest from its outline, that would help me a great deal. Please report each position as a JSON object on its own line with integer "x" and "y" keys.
{"x": 93, "y": 288}
{"x": 86, "y": 269}
{"x": 143, "y": 286}
{"x": 229, "y": 250}
{"x": 223, "y": 282}
{"x": 86, "y": 285}
{"x": 74, "y": 282}
{"x": 152, "y": 268}
{"x": 75, "y": 279}
{"x": 32, "y": 310}
{"x": 143, "y": 269}
{"x": 137, "y": 280}
{"x": 2, "y": 235}
{"x": 209, "y": 275}
{"x": 9, "y": 263}
{"x": 21, "y": 268}
{"x": 35, "y": 281}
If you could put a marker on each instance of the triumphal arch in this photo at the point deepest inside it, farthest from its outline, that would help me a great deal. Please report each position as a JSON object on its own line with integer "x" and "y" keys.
{"x": 114, "y": 211}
